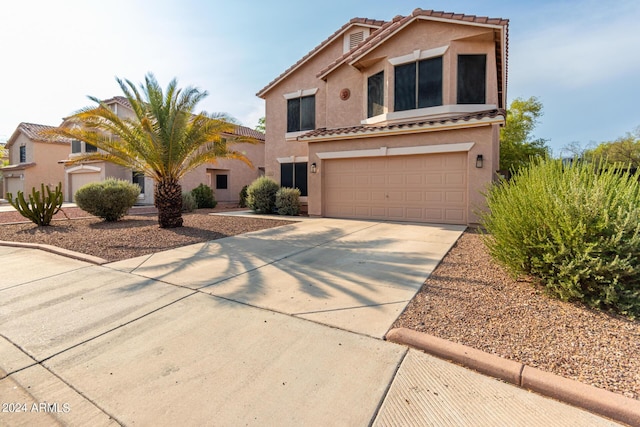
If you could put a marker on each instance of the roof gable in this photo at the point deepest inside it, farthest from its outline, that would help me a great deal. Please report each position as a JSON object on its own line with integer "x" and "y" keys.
{"x": 35, "y": 132}
{"x": 363, "y": 22}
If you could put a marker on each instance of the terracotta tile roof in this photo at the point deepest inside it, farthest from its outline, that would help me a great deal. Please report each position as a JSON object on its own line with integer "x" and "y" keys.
{"x": 355, "y": 21}
{"x": 248, "y": 132}
{"x": 34, "y": 132}
{"x": 364, "y": 130}
{"x": 389, "y": 28}
{"x": 119, "y": 100}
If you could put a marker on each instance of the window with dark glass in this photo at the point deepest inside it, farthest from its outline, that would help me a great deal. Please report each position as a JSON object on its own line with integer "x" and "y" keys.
{"x": 294, "y": 175}
{"x": 472, "y": 78}
{"x": 23, "y": 154}
{"x": 221, "y": 182}
{"x": 301, "y": 113}
{"x": 138, "y": 178}
{"x": 418, "y": 84}
{"x": 89, "y": 148}
{"x": 76, "y": 146}
{"x": 375, "y": 94}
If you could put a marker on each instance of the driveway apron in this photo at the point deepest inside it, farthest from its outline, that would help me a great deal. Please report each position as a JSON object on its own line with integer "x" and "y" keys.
{"x": 276, "y": 327}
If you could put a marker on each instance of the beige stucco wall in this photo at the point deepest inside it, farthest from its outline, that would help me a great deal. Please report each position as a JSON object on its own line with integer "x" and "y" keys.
{"x": 484, "y": 139}
{"x": 239, "y": 173}
{"x": 46, "y": 170}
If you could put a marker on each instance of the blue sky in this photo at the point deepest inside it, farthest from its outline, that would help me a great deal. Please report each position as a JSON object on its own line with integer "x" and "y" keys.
{"x": 581, "y": 58}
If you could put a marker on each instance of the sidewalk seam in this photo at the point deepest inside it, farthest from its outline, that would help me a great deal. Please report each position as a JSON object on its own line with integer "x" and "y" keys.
{"x": 388, "y": 389}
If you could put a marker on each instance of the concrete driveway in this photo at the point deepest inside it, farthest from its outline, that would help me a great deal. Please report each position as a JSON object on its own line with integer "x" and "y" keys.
{"x": 276, "y": 327}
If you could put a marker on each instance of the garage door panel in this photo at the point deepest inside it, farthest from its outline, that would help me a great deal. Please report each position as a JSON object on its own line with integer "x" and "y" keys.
{"x": 421, "y": 188}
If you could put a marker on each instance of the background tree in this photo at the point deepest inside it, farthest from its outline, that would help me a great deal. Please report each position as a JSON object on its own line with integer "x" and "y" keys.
{"x": 261, "y": 127}
{"x": 164, "y": 139}
{"x": 625, "y": 149}
{"x": 517, "y": 145}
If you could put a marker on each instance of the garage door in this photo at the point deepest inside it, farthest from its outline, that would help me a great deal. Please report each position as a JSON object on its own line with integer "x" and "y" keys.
{"x": 14, "y": 184}
{"x": 421, "y": 188}
{"x": 77, "y": 180}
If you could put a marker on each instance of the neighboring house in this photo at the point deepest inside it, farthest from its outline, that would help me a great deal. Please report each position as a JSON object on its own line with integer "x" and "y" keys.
{"x": 226, "y": 177}
{"x": 393, "y": 120}
{"x": 33, "y": 159}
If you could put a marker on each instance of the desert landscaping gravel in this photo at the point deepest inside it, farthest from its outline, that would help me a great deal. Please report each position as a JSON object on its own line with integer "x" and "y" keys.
{"x": 468, "y": 299}
{"x": 471, "y": 300}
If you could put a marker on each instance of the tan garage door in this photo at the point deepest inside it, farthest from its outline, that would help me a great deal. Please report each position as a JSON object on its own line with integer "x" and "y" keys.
{"x": 77, "y": 180}
{"x": 421, "y": 188}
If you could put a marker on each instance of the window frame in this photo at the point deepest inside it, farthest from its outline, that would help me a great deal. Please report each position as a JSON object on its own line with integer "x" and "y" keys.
{"x": 375, "y": 108}
{"x": 22, "y": 153}
{"x": 298, "y": 172}
{"x": 467, "y": 81}
{"x": 418, "y": 84}
{"x": 226, "y": 181}
{"x": 301, "y": 113}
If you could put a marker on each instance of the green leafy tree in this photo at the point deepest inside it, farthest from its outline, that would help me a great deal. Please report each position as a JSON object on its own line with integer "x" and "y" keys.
{"x": 624, "y": 150}
{"x": 261, "y": 127}
{"x": 517, "y": 145}
{"x": 164, "y": 139}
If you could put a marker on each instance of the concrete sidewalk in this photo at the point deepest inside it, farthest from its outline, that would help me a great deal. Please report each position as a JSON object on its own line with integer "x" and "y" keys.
{"x": 277, "y": 327}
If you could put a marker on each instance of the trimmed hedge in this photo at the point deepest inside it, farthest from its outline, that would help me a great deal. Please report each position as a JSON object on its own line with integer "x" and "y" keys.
{"x": 110, "y": 199}
{"x": 575, "y": 226}
{"x": 203, "y": 194}
{"x": 261, "y": 195}
{"x": 288, "y": 201}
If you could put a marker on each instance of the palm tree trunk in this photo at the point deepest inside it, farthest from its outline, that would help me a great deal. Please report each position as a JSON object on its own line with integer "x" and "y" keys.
{"x": 168, "y": 200}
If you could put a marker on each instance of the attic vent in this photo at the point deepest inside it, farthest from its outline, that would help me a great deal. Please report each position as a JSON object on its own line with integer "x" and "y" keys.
{"x": 355, "y": 39}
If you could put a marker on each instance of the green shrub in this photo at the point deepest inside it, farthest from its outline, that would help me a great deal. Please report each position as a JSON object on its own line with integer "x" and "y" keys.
{"x": 189, "y": 203}
{"x": 110, "y": 199}
{"x": 261, "y": 195}
{"x": 243, "y": 197}
{"x": 288, "y": 201}
{"x": 203, "y": 194}
{"x": 575, "y": 227}
{"x": 42, "y": 205}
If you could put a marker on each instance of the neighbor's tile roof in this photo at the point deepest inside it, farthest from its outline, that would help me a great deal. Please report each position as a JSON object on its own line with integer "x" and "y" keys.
{"x": 390, "y": 28}
{"x": 355, "y": 21}
{"x": 119, "y": 100}
{"x": 248, "y": 132}
{"x": 35, "y": 132}
{"x": 365, "y": 130}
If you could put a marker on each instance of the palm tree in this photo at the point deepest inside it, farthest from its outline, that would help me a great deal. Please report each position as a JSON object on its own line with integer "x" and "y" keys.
{"x": 164, "y": 139}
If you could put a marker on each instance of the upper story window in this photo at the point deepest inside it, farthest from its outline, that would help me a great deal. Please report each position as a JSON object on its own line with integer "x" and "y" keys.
{"x": 89, "y": 148}
{"x": 418, "y": 84}
{"x": 23, "y": 154}
{"x": 472, "y": 79}
{"x": 301, "y": 113}
{"x": 76, "y": 147}
{"x": 375, "y": 94}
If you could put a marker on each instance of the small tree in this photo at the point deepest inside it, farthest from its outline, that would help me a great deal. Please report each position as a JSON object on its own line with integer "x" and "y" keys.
{"x": 517, "y": 146}
{"x": 203, "y": 195}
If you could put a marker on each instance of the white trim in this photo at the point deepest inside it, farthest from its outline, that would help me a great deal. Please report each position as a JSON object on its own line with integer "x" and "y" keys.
{"x": 293, "y": 159}
{"x": 427, "y": 113}
{"x": 397, "y": 151}
{"x": 300, "y": 93}
{"x": 418, "y": 55}
{"x": 83, "y": 169}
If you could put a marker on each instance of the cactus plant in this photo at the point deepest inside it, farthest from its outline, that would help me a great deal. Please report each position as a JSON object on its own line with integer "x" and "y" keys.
{"x": 41, "y": 206}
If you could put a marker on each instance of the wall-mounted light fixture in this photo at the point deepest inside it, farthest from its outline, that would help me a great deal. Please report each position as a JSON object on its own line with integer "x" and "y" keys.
{"x": 479, "y": 161}
{"x": 314, "y": 168}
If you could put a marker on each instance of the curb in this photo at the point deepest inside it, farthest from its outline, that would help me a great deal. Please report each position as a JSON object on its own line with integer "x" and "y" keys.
{"x": 593, "y": 399}
{"x": 58, "y": 251}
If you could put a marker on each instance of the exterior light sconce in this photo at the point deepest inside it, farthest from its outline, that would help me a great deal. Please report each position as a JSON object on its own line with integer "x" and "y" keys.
{"x": 479, "y": 161}
{"x": 314, "y": 168}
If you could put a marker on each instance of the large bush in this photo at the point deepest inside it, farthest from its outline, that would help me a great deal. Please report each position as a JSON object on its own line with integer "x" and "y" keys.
{"x": 576, "y": 227}
{"x": 204, "y": 197}
{"x": 110, "y": 199}
{"x": 288, "y": 201}
{"x": 261, "y": 195}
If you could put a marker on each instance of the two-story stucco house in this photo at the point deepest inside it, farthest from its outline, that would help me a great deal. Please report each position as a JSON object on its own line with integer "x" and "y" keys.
{"x": 225, "y": 177}
{"x": 394, "y": 120}
{"x": 33, "y": 159}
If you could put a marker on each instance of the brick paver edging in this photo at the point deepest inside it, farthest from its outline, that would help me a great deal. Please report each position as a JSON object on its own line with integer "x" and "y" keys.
{"x": 593, "y": 399}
